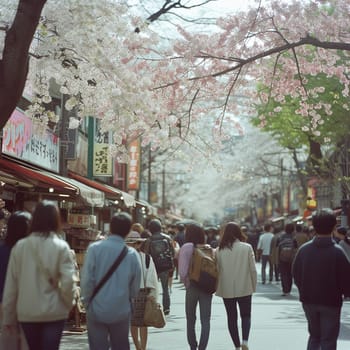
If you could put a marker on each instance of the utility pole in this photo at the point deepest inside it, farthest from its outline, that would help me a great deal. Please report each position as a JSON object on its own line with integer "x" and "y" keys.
{"x": 149, "y": 174}
{"x": 163, "y": 189}
{"x": 63, "y": 132}
{"x": 282, "y": 187}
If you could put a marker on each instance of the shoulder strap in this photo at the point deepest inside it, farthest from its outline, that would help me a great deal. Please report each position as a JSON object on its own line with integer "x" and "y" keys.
{"x": 108, "y": 274}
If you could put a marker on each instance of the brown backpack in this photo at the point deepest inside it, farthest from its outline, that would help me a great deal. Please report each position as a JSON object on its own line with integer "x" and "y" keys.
{"x": 203, "y": 271}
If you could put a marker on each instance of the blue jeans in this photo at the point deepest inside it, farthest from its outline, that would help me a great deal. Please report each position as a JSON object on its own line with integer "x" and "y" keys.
{"x": 193, "y": 297}
{"x": 164, "y": 280}
{"x": 43, "y": 335}
{"x": 264, "y": 260}
{"x": 245, "y": 307}
{"x": 323, "y": 324}
{"x": 105, "y": 336}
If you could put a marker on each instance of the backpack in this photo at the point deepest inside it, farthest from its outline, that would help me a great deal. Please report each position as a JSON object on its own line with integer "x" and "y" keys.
{"x": 287, "y": 249}
{"x": 203, "y": 271}
{"x": 161, "y": 253}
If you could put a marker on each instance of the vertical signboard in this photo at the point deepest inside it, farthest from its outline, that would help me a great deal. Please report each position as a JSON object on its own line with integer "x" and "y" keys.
{"x": 134, "y": 165}
{"x": 102, "y": 165}
{"x": 102, "y": 159}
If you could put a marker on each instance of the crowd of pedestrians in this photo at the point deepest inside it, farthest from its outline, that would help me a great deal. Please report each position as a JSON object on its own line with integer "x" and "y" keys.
{"x": 122, "y": 271}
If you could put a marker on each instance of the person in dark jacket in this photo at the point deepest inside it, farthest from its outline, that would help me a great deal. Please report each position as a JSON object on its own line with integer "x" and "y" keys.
{"x": 321, "y": 273}
{"x": 155, "y": 227}
{"x": 286, "y": 249}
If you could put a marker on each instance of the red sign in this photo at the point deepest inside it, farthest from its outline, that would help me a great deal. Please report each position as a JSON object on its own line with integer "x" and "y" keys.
{"x": 134, "y": 165}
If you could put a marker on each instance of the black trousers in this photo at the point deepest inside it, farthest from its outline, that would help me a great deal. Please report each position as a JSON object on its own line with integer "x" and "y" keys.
{"x": 286, "y": 276}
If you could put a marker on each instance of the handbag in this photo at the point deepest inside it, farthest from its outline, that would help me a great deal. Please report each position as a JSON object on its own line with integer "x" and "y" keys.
{"x": 138, "y": 308}
{"x": 154, "y": 315}
{"x": 138, "y": 303}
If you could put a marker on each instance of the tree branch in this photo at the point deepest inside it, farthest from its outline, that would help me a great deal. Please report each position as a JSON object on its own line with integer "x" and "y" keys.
{"x": 308, "y": 40}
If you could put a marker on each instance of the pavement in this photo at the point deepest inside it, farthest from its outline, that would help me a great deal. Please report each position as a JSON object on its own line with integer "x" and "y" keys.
{"x": 278, "y": 323}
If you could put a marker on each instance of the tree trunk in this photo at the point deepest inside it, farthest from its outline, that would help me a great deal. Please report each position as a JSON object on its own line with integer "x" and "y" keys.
{"x": 301, "y": 176}
{"x": 314, "y": 162}
{"x": 15, "y": 58}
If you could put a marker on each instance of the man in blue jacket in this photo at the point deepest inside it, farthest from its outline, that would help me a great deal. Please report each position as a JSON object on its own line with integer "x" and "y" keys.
{"x": 321, "y": 272}
{"x": 108, "y": 314}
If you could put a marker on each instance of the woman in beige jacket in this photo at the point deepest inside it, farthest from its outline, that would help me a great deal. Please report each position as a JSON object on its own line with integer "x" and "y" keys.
{"x": 40, "y": 281}
{"x": 237, "y": 280}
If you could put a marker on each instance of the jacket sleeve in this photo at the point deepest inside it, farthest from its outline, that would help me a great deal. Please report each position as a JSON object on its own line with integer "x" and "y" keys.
{"x": 259, "y": 243}
{"x": 185, "y": 256}
{"x": 171, "y": 244}
{"x": 344, "y": 272}
{"x": 252, "y": 267}
{"x": 135, "y": 280}
{"x": 296, "y": 269}
{"x": 88, "y": 276}
{"x": 68, "y": 278}
{"x": 10, "y": 291}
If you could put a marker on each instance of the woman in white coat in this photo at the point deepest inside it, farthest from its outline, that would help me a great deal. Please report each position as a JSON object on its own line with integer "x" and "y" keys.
{"x": 237, "y": 280}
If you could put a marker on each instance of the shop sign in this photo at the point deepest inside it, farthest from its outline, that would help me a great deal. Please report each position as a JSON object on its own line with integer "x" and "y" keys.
{"x": 21, "y": 141}
{"x": 79, "y": 220}
{"x": 134, "y": 165}
{"x": 102, "y": 160}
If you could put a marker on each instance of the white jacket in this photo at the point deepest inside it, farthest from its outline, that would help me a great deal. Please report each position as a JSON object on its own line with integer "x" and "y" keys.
{"x": 29, "y": 296}
{"x": 237, "y": 271}
{"x": 149, "y": 277}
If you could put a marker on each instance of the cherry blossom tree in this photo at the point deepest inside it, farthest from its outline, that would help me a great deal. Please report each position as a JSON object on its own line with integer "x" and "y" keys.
{"x": 279, "y": 45}
{"x": 140, "y": 86}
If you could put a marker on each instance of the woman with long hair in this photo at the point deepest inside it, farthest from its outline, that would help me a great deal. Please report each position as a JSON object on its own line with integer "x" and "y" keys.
{"x": 17, "y": 228}
{"x": 237, "y": 280}
{"x": 194, "y": 237}
{"x": 40, "y": 281}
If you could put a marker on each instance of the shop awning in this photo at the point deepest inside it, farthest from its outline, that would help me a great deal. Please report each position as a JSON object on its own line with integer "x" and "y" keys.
{"x": 6, "y": 178}
{"x": 110, "y": 191}
{"x": 128, "y": 199}
{"x": 151, "y": 209}
{"x": 37, "y": 178}
{"x": 90, "y": 195}
{"x": 172, "y": 216}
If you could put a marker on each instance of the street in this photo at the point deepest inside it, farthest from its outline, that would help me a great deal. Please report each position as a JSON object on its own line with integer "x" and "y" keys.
{"x": 278, "y": 323}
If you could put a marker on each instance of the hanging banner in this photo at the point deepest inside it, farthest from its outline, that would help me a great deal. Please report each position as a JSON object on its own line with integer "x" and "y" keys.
{"x": 134, "y": 165}
{"x": 102, "y": 160}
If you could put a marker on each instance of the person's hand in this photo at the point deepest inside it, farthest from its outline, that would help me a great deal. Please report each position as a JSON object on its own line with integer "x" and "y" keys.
{"x": 10, "y": 328}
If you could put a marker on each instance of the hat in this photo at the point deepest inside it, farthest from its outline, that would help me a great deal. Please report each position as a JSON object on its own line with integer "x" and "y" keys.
{"x": 342, "y": 230}
{"x": 133, "y": 234}
{"x": 134, "y": 241}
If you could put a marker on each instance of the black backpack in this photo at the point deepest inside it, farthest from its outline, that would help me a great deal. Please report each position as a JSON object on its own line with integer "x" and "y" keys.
{"x": 161, "y": 253}
{"x": 287, "y": 249}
